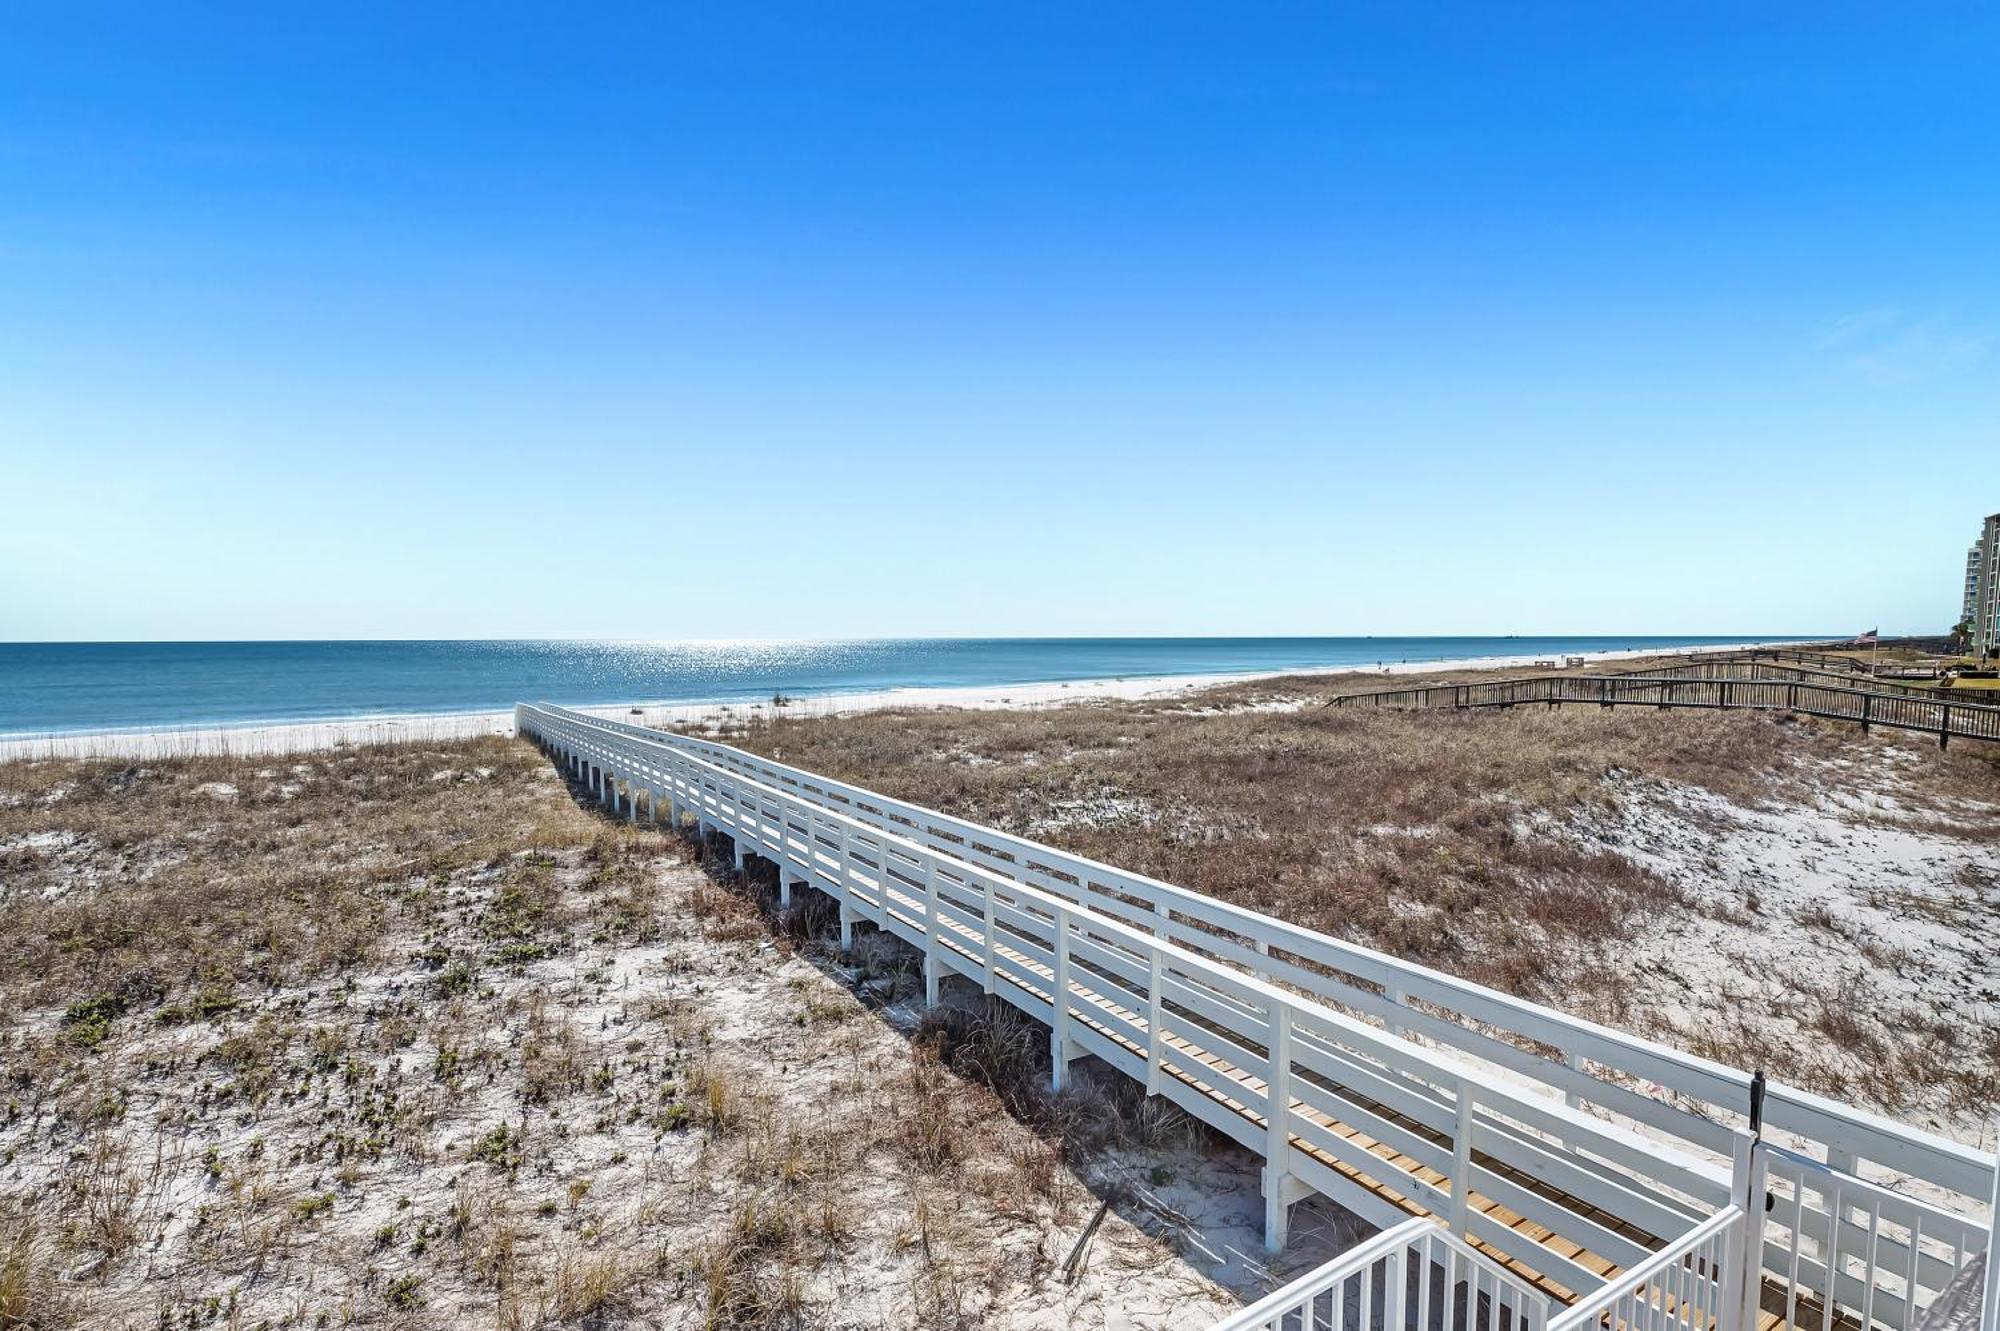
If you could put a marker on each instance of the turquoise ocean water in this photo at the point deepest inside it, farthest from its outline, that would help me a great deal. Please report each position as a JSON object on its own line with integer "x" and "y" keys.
{"x": 52, "y": 687}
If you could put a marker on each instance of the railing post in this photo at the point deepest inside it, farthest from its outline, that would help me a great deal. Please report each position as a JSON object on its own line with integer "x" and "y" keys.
{"x": 1156, "y": 1006}
{"x": 992, "y": 931}
{"x": 736, "y": 832}
{"x": 932, "y": 961}
{"x": 1278, "y": 1091}
{"x": 1278, "y": 1182}
{"x": 1744, "y": 1288}
{"x": 1461, "y": 1162}
{"x": 840, "y": 895}
{"x": 1989, "y": 1314}
{"x": 1059, "y": 996}
{"x": 842, "y": 874}
{"x": 881, "y": 883}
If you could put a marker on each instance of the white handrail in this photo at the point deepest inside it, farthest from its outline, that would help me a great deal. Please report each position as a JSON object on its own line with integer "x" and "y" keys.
{"x": 1845, "y": 1132}
{"x": 1337, "y": 1069}
{"x": 1370, "y": 1286}
{"x": 1690, "y": 1285}
{"x": 1844, "y": 1242}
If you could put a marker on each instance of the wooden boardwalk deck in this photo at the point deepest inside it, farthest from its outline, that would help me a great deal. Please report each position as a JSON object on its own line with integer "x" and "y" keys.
{"x": 1220, "y": 1082}
{"x": 1215, "y": 1078}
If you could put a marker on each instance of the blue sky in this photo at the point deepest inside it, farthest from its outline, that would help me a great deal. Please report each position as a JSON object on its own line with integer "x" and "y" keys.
{"x": 849, "y": 320}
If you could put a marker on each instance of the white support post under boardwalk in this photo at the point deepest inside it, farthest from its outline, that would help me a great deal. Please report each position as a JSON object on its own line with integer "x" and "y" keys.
{"x": 1059, "y": 1046}
{"x": 1278, "y": 1129}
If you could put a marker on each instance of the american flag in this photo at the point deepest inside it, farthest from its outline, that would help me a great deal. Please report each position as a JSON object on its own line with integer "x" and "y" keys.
{"x": 1864, "y": 639}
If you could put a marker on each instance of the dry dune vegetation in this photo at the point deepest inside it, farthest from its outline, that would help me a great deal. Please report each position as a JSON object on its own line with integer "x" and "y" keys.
{"x": 409, "y": 1036}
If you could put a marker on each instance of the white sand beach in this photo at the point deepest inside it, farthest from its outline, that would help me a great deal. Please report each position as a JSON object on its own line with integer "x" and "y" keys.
{"x": 305, "y": 736}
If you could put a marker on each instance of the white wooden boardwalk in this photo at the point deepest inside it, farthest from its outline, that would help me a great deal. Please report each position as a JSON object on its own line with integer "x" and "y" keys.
{"x": 1570, "y": 1157}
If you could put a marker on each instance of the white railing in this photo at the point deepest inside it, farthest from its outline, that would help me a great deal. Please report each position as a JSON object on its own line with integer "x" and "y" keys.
{"x": 1826, "y": 1251}
{"x": 1845, "y": 1249}
{"x": 1355, "y": 1103}
{"x": 1415, "y": 1274}
{"x": 1384, "y": 1125}
{"x": 1692, "y": 1101}
{"x": 1696, "y": 1284}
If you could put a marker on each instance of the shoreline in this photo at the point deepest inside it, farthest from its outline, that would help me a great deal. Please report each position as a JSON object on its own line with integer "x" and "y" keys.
{"x": 281, "y": 737}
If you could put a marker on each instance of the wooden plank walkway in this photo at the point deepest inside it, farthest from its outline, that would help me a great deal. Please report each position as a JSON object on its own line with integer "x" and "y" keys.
{"x": 1215, "y": 1078}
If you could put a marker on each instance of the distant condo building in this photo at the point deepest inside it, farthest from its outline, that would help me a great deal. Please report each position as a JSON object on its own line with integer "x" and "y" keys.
{"x": 1982, "y": 590}
{"x": 1972, "y": 558}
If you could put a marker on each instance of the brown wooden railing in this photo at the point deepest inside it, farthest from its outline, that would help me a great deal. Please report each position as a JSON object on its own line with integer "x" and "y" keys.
{"x": 1745, "y": 668}
{"x": 1870, "y": 707}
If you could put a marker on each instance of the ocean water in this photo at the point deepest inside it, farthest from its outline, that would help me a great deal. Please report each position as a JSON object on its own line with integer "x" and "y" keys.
{"x": 57, "y": 687}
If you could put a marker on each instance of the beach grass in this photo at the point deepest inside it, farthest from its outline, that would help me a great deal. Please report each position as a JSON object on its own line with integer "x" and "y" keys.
{"x": 414, "y": 1035}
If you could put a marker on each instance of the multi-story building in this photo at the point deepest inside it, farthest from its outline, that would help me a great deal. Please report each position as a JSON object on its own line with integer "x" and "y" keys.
{"x": 1972, "y": 563}
{"x": 1983, "y": 594}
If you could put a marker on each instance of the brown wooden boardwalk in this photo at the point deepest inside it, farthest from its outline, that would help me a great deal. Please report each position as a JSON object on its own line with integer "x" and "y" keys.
{"x": 1930, "y": 715}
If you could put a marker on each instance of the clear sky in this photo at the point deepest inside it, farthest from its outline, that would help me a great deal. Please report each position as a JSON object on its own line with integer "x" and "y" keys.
{"x": 714, "y": 320}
